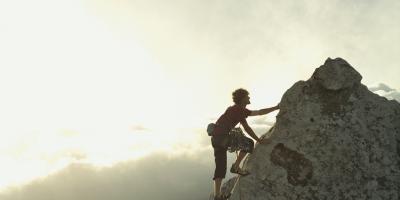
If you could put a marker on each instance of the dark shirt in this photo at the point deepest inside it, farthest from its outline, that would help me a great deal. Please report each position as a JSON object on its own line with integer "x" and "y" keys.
{"x": 231, "y": 117}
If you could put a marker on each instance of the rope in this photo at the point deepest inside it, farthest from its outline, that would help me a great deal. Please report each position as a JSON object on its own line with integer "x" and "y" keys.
{"x": 238, "y": 185}
{"x": 237, "y": 182}
{"x": 240, "y": 188}
{"x": 238, "y": 178}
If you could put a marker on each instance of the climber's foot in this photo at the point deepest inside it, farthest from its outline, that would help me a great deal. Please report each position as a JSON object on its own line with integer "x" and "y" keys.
{"x": 222, "y": 197}
{"x": 238, "y": 170}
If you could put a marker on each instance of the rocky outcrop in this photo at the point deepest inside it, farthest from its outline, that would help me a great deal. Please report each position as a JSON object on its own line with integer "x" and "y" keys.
{"x": 333, "y": 139}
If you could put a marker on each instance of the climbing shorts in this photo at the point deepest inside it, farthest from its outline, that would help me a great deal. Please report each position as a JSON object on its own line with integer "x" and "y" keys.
{"x": 222, "y": 143}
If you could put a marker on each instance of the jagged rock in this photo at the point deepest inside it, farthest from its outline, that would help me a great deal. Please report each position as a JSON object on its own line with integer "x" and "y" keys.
{"x": 333, "y": 139}
{"x": 336, "y": 74}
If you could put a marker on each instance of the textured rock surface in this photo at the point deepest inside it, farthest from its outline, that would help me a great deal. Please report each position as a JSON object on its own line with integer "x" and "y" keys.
{"x": 333, "y": 139}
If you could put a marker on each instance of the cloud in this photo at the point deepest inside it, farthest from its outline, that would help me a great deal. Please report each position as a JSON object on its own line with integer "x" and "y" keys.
{"x": 264, "y": 120}
{"x": 154, "y": 177}
{"x": 380, "y": 86}
{"x": 385, "y": 91}
{"x": 167, "y": 176}
{"x": 273, "y": 38}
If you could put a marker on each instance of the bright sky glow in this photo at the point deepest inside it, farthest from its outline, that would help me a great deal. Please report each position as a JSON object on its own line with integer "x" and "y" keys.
{"x": 107, "y": 81}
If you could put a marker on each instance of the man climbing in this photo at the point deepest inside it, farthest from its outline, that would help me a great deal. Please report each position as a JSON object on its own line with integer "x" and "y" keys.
{"x": 221, "y": 139}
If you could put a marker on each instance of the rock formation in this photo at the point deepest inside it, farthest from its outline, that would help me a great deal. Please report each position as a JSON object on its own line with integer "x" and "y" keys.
{"x": 333, "y": 139}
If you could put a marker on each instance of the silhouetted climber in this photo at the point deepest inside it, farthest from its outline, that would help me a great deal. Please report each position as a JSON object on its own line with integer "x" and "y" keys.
{"x": 221, "y": 139}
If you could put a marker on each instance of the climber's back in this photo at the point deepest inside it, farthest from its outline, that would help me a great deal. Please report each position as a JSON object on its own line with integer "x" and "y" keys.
{"x": 230, "y": 118}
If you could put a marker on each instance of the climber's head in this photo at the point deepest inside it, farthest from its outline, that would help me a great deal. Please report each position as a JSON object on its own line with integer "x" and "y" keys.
{"x": 241, "y": 97}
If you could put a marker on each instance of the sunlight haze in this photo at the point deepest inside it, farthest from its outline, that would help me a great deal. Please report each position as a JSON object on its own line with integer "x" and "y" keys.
{"x": 102, "y": 82}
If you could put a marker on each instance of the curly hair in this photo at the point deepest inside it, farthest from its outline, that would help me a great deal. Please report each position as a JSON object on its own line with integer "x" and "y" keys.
{"x": 238, "y": 95}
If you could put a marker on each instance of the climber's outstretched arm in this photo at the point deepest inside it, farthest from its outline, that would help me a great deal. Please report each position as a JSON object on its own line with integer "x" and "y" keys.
{"x": 264, "y": 111}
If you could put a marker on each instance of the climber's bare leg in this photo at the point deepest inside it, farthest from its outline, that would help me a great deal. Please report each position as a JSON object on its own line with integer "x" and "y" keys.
{"x": 217, "y": 186}
{"x": 239, "y": 159}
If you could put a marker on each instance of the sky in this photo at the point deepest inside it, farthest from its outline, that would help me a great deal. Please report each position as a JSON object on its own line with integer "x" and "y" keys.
{"x": 97, "y": 84}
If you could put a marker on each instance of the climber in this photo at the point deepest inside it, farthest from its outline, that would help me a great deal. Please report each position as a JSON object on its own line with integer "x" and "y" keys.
{"x": 221, "y": 139}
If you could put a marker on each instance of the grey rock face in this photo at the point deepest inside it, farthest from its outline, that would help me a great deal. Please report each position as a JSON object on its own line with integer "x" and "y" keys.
{"x": 336, "y": 74}
{"x": 333, "y": 139}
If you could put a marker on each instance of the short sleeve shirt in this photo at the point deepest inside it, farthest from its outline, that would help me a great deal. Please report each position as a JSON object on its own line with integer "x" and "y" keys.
{"x": 231, "y": 117}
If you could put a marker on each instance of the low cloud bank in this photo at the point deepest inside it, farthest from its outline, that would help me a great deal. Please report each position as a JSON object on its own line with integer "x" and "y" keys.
{"x": 385, "y": 91}
{"x": 155, "y": 177}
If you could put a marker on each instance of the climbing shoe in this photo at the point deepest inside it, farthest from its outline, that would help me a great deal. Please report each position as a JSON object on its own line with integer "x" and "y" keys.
{"x": 222, "y": 197}
{"x": 239, "y": 171}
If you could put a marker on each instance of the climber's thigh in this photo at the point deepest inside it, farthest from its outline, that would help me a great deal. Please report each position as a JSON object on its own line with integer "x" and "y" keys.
{"x": 220, "y": 141}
